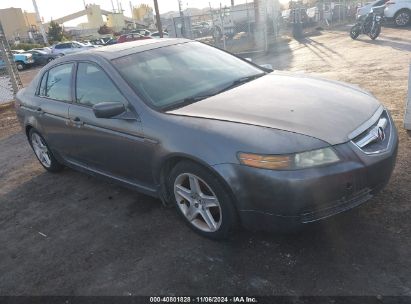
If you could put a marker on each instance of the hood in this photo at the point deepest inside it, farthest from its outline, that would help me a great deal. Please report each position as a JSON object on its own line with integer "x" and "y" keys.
{"x": 326, "y": 110}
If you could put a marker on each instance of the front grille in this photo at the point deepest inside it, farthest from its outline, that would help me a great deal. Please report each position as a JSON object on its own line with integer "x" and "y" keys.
{"x": 340, "y": 205}
{"x": 376, "y": 138}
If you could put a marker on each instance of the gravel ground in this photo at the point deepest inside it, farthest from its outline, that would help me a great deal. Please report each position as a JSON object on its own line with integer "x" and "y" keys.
{"x": 71, "y": 234}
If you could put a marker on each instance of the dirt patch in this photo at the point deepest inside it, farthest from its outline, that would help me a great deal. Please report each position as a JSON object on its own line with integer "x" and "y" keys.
{"x": 8, "y": 121}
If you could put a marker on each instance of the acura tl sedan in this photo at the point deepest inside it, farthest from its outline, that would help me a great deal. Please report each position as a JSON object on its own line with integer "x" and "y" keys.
{"x": 227, "y": 142}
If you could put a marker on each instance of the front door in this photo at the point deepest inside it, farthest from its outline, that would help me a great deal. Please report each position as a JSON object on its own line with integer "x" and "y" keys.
{"x": 112, "y": 146}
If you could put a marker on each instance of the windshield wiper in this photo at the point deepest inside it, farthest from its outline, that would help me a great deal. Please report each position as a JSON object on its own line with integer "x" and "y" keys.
{"x": 240, "y": 81}
{"x": 186, "y": 101}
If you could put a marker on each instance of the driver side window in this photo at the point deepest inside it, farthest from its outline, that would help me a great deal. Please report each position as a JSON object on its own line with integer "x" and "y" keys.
{"x": 93, "y": 86}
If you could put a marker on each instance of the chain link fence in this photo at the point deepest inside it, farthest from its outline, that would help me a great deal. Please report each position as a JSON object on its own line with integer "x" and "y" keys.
{"x": 253, "y": 26}
{"x": 10, "y": 81}
{"x": 242, "y": 28}
{"x": 323, "y": 14}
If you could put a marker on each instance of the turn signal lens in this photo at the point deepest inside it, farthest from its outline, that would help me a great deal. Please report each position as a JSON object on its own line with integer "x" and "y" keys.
{"x": 290, "y": 162}
{"x": 273, "y": 162}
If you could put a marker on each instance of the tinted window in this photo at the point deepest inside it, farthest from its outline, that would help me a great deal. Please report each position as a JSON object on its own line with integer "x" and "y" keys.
{"x": 59, "y": 82}
{"x": 167, "y": 76}
{"x": 94, "y": 86}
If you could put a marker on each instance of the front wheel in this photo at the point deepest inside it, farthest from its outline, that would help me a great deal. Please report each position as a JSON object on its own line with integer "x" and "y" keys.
{"x": 43, "y": 153}
{"x": 375, "y": 31}
{"x": 20, "y": 65}
{"x": 202, "y": 200}
{"x": 355, "y": 31}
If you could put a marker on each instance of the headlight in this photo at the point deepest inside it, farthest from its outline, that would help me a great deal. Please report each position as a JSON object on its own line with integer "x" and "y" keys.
{"x": 377, "y": 18}
{"x": 291, "y": 161}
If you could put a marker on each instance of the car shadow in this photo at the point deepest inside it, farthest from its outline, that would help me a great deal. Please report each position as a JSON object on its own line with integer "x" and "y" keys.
{"x": 383, "y": 41}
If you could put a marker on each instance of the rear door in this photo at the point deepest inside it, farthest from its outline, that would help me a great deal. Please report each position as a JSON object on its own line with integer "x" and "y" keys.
{"x": 112, "y": 146}
{"x": 50, "y": 107}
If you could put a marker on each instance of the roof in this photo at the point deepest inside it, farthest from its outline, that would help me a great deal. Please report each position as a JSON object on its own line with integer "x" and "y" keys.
{"x": 123, "y": 49}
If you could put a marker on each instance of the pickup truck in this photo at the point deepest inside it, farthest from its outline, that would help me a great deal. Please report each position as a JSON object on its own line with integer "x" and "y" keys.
{"x": 22, "y": 61}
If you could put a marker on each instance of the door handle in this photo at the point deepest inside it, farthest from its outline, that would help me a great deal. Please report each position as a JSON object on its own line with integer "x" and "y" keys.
{"x": 76, "y": 121}
{"x": 39, "y": 110}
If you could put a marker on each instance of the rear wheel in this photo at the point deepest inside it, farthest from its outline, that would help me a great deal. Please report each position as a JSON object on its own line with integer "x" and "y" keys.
{"x": 402, "y": 18}
{"x": 43, "y": 153}
{"x": 355, "y": 31}
{"x": 202, "y": 200}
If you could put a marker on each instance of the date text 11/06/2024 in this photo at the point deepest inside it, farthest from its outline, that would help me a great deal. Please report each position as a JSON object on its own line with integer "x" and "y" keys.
{"x": 203, "y": 300}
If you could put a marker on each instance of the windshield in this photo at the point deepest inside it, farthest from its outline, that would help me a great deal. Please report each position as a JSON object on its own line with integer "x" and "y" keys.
{"x": 166, "y": 77}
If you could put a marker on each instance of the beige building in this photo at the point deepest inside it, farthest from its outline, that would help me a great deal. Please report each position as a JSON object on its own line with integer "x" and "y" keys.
{"x": 17, "y": 24}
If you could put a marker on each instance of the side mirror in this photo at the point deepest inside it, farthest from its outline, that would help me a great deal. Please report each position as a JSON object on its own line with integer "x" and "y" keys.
{"x": 108, "y": 109}
{"x": 267, "y": 67}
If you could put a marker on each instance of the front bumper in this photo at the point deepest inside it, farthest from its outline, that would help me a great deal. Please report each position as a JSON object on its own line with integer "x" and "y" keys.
{"x": 268, "y": 199}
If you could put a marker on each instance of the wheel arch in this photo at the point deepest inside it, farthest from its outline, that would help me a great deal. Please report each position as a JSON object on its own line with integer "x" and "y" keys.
{"x": 171, "y": 161}
{"x": 27, "y": 129}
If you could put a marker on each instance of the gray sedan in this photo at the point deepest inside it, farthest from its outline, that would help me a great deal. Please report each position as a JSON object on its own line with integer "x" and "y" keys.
{"x": 226, "y": 141}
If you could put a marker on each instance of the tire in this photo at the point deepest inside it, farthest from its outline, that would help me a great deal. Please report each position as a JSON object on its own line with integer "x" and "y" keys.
{"x": 20, "y": 65}
{"x": 50, "y": 59}
{"x": 355, "y": 32}
{"x": 43, "y": 153}
{"x": 402, "y": 18}
{"x": 209, "y": 211}
{"x": 374, "y": 34}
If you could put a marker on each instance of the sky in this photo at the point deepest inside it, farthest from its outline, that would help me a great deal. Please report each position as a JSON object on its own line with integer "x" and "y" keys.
{"x": 58, "y": 8}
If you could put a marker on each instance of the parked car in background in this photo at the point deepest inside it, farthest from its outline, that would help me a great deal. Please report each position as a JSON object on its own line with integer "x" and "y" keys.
{"x": 131, "y": 37}
{"x": 143, "y": 32}
{"x": 17, "y": 51}
{"x": 70, "y": 47}
{"x": 225, "y": 141}
{"x": 44, "y": 49}
{"x": 156, "y": 35}
{"x": 111, "y": 41}
{"x": 398, "y": 11}
{"x": 366, "y": 9}
{"x": 22, "y": 60}
{"x": 41, "y": 57}
{"x": 99, "y": 42}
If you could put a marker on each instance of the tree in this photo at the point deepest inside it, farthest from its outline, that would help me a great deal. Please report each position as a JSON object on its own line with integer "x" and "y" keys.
{"x": 55, "y": 32}
{"x": 104, "y": 30}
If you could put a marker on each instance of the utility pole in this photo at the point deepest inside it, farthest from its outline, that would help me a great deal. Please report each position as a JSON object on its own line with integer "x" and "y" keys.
{"x": 183, "y": 26}
{"x": 158, "y": 19}
{"x": 38, "y": 20}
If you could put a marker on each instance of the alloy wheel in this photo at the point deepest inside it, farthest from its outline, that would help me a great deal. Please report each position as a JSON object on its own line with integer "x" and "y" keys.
{"x": 198, "y": 202}
{"x": 402, "y": 19}
{"x": 41, "y": 150}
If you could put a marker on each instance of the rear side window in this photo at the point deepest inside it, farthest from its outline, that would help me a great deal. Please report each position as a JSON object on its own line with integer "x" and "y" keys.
{"x": 93, "y": 86}
{"x": 58, "y": 84}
